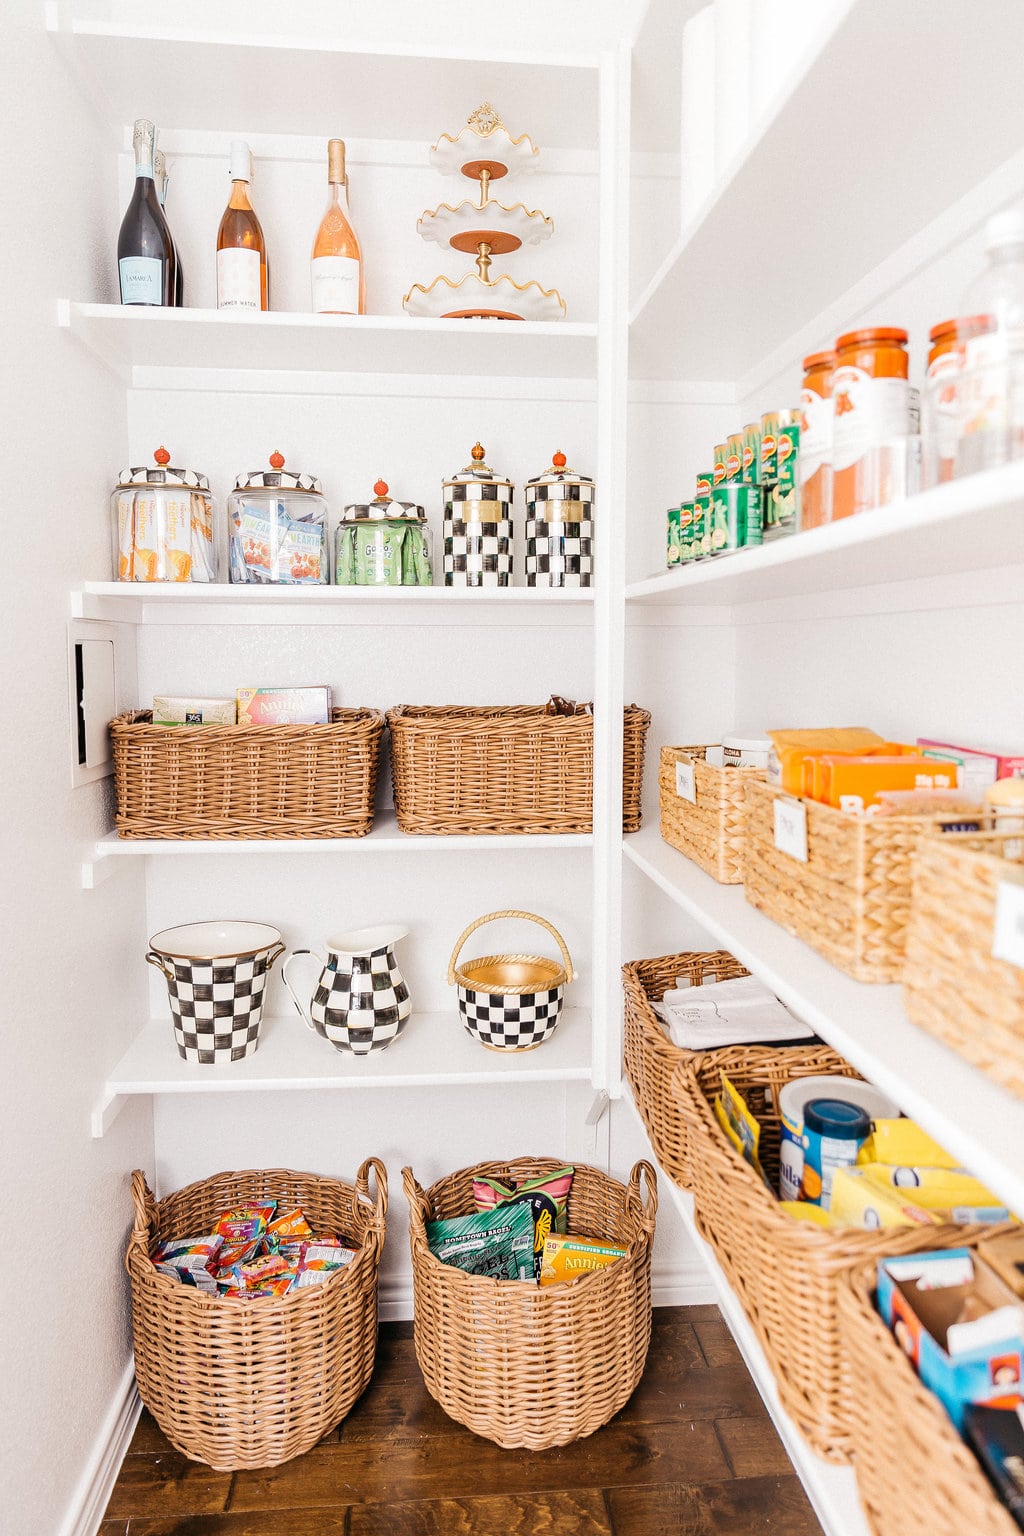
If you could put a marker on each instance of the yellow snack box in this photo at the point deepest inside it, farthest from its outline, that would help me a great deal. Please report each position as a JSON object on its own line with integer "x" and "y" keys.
{"x": 566, "y": 1257}
{"x": 902, "y": 1143}
{"x": 786, "y": 765}
{"x": 876, "y": 1196}
{"x": 803, "y": 1210}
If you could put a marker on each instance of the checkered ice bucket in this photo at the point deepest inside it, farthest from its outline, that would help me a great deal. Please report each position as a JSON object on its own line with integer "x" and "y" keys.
{"x": 510, "y": 1002}
{"x": 216, "y": 976}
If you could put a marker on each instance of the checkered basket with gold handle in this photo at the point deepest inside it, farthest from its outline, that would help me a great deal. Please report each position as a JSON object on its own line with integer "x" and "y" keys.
{"x": 510, "y": 1002}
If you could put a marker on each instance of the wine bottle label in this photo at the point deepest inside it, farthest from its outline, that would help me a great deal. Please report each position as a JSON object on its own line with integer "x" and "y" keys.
{"x": 238, "y": 279}
{"x": 335, "y": 285}
{"x": 142, "y": 279}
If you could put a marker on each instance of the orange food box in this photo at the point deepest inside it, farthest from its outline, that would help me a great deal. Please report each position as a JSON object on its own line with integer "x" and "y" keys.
{"x": 855, "y": 783}
{"x": 565, "y": 1258}
{"x": 818, "y": 770}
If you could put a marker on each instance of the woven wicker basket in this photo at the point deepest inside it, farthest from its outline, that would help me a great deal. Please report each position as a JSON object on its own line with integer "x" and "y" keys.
{"x": 851, "y": 900}
{"x": 506, "y": 770}
{"x": 914, "y": 1473}
{"x": 710, "y": 828}
{"x": 952, "y": 985}
{"x": 237, "y": 1383}
{"x": 668, "y": 1099}
{"x": 235, "y": 781}
{"x": 1005, "y": 1253}
{"x": 533, "y": 1366}
{"x": 786, "y": 1272}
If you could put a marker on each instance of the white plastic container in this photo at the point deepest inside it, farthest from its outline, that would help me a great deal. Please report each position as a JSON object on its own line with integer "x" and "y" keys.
{"x": 745, "y": 751}
{"x": 791, "y": 1111}
{"x": 991, "y": 380}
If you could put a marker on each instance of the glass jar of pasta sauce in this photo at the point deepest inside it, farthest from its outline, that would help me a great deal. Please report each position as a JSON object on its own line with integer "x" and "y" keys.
{"x": 872, "y": 404}
{"x": 815, "y": 468}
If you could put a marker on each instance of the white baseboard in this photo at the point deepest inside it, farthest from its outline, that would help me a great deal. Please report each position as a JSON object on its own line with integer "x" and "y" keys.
{"x": 109, "y": 1450}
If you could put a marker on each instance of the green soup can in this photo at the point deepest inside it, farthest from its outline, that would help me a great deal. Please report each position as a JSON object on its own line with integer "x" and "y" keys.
{"x": 702, "y": 515}
{"x": 686, "y": 550}
{"x": 782, "y": 502}
{"x": 736, "y": 517}
{"x": 672, "y": 528}
{"x": 751, "y": 462}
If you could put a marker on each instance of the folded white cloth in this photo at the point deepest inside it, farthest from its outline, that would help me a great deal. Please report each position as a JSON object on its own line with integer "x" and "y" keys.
{"x": 738, "y": 1012}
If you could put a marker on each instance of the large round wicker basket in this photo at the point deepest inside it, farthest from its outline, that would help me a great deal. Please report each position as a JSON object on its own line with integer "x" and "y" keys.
{"x": 241, "y": 1384}
{"x": 533, "y": 1366}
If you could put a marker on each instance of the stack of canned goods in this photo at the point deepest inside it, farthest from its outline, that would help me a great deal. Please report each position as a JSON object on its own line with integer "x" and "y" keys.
{"x": 750, "y": 495}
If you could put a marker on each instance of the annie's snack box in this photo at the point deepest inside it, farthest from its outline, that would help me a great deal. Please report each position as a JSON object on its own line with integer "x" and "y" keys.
{"x": 284, "y": 706}
{"x": 169, "y": 709}
{"x": 566, "y": 1257}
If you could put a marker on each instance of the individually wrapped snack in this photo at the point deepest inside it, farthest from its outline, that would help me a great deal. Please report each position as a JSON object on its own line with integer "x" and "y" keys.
{"x": 546, "y": 1197}
{"x": 252, "y": 1272}
{"x": 291, "y": 1224}
{"x": 497, "y": 1243}
{"x": 189, "y": 1259}
{"x": 278, "y": 1285}
{"x": 320, "y": 1260}
{"x": 242, "y": 1229}
{"x": 564, "y": 1258}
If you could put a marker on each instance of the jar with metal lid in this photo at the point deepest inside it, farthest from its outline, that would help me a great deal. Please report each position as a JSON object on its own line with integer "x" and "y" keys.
{"x": 873, "y": 419}
{"x": 277, "y": 528}
{"x": 478, "y": 526}
{"x": 383, "y": 543}
{"x": 815, "y": 472}
{"x": 560, "y": 527}
{"x": 162, "y": 524}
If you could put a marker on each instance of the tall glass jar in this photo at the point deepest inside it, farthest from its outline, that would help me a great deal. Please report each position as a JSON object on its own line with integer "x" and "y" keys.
{"x": 162, "y": 524}
{"x": 277, "y": 528}
{"x": 383, "y": 543}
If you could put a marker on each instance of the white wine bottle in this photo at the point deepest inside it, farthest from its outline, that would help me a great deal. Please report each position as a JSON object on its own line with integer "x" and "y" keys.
{"x": 336, "y": 267}
{"x": 243, "y": 275}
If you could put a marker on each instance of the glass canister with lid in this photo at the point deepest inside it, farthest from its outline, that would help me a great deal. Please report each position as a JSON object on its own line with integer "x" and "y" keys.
{"x": 277, "y": 528}
{"x": 560, "y": 527}
{"x": 383, "y": 543}
{"x": 478, "y": 526}
{"x": 162, "y": 524}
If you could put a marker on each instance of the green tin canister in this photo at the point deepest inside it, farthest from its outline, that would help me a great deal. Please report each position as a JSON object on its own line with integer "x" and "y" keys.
{"x": 672, "y": 553}
{"x": 782, "y": 500}
{"x": 702, "y": 515}
{"x": 750, "y": 467}
{"x": 734, "y": 456}
{"x": 687, "y": 553}
{"x": 736, "y": 517}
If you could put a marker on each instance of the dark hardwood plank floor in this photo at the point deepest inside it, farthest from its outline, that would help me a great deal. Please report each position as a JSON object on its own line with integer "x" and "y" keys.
{"x": 693, "y": 1453}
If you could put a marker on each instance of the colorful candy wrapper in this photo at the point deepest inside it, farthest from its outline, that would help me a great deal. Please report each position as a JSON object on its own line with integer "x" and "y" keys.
{"x": 253, "y": 1272}
{"x": 242, "y": 1230}
{"x": 279, "y": 1285}
{"x": 189, "y": 1259}
{"x": 319, "y": 1261}
{"x": 546, "y": 1196}
{"x": 291, "y": 1225}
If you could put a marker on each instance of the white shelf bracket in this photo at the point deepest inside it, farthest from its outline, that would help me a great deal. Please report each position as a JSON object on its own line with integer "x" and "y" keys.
{"x": 99, "y": 867}
{"x": 106, "y": 1112}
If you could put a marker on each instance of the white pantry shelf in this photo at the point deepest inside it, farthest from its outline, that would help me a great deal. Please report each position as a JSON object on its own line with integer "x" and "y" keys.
{"x": 971, "y": 524}
{"x": 856, "y": 161}
{"x": 221, "y": 603}
{"x": 979, "y": 1122}
{"x": 153, "y": 347}
{"x": 434, "y": 1051}
{"x": 110, "y": 853}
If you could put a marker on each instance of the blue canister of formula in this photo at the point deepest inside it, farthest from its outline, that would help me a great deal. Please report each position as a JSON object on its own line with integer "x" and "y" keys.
{"x": 799, "y": 1092}
{"x": 834, "y": 1132}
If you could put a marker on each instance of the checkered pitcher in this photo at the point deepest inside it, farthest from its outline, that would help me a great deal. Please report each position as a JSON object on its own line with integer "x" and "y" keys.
{"x": 361, "y": 1002}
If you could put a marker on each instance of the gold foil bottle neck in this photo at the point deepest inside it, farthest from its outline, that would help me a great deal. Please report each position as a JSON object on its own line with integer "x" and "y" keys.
{"x": 336, "y": 161}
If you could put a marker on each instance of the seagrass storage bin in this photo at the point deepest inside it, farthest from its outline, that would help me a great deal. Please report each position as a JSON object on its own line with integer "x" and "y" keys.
{"x": 235, "y": 781}
{"x": 914, "y": 1473}
{"x": 242, "y": 1384}
{"x": 851, "y": 900}
{"x": 785, "y": 1272}
{"x": 953, "y": 987}
{"x": 709, "y": 829}
{"x": 535, "y": 1366}
{"x": 663, "y": 1075}
{"x": 506, "y": 770}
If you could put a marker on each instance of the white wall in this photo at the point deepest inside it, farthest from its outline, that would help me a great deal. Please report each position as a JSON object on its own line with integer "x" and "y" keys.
{"x": 69, "y": 980}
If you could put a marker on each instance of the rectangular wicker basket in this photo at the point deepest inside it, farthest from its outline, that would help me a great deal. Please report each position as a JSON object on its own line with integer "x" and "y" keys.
{"x": 851, "y": 900}
{"x": 953, "y": 987}
{"x": 914, "y": 1473}
{"x": 506, "y": 770}
{"x": 787, "y": 1272}
{"x": 236, "y": 1383}
{"x": 710, "y": 829}
{"x": 526, "y": 1365}
{"x": 246, "y": 781}
{"x": 663, "y": 1075}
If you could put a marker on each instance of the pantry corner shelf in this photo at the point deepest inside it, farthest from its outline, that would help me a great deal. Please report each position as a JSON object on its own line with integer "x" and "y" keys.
{"x": 149, "y": 346}
{"x": 979, "y": 1122}
{"x": 434, "y": 1051}
{"x": 972, "y": 524}
{"x": 111, "y": 853}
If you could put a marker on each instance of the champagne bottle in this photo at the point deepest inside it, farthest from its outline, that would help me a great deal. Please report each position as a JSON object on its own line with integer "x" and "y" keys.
{"x": 243, "y": 276}
{"x": 337, "y": 264}
{"x": 161, "y": 178}
{"x": 145, "y": 251}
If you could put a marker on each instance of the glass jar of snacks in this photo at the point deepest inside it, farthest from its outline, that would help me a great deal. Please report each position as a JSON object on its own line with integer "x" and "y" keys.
{"x": 162, "y": 524}
{"x": 277, "y": 528}
{"x": 383, "y": 543}
{"x": 560, "y": 527}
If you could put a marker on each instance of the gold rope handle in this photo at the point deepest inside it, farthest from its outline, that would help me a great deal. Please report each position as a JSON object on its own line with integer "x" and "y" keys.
{"x": 650, "y": 1207}
{"x": 493, "y": 917}
{"x": 380, "y": 1173}
{"x": 145, "y": 1209}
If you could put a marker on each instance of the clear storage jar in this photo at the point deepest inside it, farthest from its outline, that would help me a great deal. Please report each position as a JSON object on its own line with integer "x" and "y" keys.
{"x": 383, "y": 543}
{"x": 277, "y": 528}
{"x": 162, "y": 524}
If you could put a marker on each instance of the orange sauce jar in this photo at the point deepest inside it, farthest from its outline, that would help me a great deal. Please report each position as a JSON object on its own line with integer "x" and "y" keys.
{"x": 871, "y": 402}
{"x": 816, "y": 440}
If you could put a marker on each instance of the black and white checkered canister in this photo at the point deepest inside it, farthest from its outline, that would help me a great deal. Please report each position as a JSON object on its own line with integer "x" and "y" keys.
{"x": 478, "y": 534}
{"x": 559, "y": 533}
{"x": 217, "y": 1005}
{"x": 364, "y": 1008}
{"x": 513, "y": 1023}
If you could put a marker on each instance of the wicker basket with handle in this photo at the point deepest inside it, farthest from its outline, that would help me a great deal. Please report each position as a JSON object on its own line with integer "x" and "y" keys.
{"x": 527, "y": 1365}
{"x": 506, "y": 770}
{"x": 246, "y": 781}
{"x": 953, "y": 986}
{"x": 707, "y": 820}
{"x": 850, "y": 900}
{"x": 510, "y": 1002}
{"x": 787, "y": 1272}
{"x": 241, "y": 1383}
{"x": 914, "y": 1473}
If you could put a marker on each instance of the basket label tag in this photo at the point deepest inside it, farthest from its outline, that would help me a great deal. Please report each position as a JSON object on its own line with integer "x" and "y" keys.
{"x": 686, "y": 787}
{"x": 1008, "y": 938}
{"x": 791, "y": 828}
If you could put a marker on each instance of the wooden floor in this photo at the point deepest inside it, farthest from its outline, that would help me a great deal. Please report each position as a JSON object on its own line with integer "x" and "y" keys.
{"x": 693, "y": 1453}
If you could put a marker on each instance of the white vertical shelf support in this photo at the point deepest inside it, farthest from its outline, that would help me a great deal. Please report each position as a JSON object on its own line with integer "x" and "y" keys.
{"x": 610, "y": 534}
